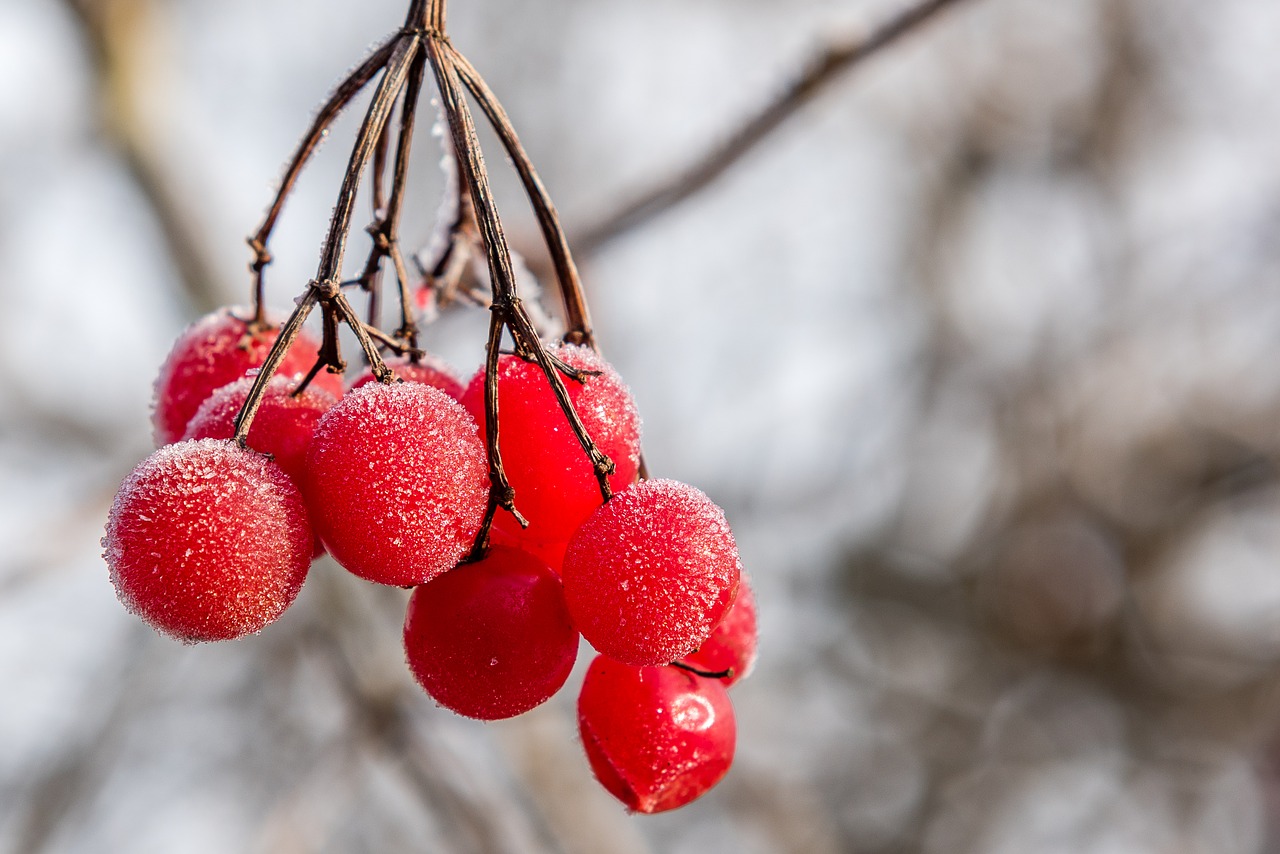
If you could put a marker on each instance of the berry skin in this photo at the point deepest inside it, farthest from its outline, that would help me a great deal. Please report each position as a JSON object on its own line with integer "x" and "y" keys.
{"x": 397, "y": 482}
{"x": 732, "y": 645}
{"x": 491, "y": 639}
{"x": 427, "y": 370}
{"x": 555, "y": 485}
{"x": 552, "y": 554}
{"x": 651, "y": 573}
{"x": 215, "y": 350}
{"x": 207, "y": 541}
{"x": 656, "y": 737}
{"x": 282, "y": 427}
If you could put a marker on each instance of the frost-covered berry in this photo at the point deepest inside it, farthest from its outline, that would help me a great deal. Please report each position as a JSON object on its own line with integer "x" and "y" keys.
{"x": 491, "y": 639}
{"x": 554, "y": 482}
{"x": 215, "y": 350}
{"x": 651, "y": 573}
{"x": 397, "y": 482}
{"x": 732, "y": 645}
{"x": 427, "y": 370}
{"x": 656, "y": 737}
{"x": 207, "y": 541}
{"x": 282, "y": 427}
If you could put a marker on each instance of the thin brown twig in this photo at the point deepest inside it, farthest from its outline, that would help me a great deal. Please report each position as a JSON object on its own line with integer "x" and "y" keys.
{"x": 577, "y": 318}
{"x": 326, "y": 287}
{"x": 338, "y": 100}
{"x": 507, "y": 306}
{"x": 832, "y": 61}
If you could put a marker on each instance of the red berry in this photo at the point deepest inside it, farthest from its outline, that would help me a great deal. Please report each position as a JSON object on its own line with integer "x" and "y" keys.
{"x": 732, "y": 645}
{"x": 397, "y": 482}
{"x": 215, "y": 350}
{"x": 552, "y": 554}
{"x": 282, "y": 427}
{"x": 555, "y": 484}
{"x": 491, "y": 639}
{"x": 427, "y": 370}
{"x": 207, "y": 541}
{"x": 656, "y": 737}
{"x": 651, "y": 573}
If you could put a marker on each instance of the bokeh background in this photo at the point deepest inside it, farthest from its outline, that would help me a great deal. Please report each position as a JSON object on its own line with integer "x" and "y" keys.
{"x": 980, "y": 352}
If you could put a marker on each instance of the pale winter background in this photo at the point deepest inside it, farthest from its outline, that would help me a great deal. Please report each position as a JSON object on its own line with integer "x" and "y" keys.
{"x": 980, "y": 352}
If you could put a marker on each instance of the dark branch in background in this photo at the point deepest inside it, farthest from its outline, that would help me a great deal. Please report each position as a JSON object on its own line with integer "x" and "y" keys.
{"x": 822, "y": 70}
{"x": 115, "y": 31}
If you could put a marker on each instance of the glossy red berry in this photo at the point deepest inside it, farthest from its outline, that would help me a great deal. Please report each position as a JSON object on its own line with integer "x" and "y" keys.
{"x": 427, "y": 370}
{"x": 282, "y": 427}
{"x": 651, "y": 573}
{"x": 217, "y": 349}
{"x": 555, "y": 484}
{"x": 207, "y": 541}
{"x": 491, "y": 639}
{"x": 552, "y": 554}
{"x": 732, "y": 645}
{"x": 656, "y": 737}
{"x": 397, "y": 482}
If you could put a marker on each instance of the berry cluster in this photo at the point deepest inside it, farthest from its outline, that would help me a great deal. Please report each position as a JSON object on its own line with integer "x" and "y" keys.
{"x": 209, "y": 539}
{"x": 520, "y": 537}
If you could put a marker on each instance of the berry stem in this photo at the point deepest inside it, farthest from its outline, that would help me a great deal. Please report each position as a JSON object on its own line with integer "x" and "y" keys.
{"x": 385, "y": 230}
{"x": 577, "y": 317}
{"x": 706, "y": 674}
{"x": 332, "y": 108}
{"x": 326, "y": 287}
{"x": 506, "y": 303}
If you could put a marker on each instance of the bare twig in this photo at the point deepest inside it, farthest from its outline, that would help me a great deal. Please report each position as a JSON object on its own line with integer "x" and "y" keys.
{"x": 822, "y": 70}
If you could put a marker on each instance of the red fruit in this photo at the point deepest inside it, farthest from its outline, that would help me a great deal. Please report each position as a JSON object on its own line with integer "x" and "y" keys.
{"x": 732, "y": 645}
{"x": 552, "y": 554}
{"x": 207, "y": 541}
{"x": 651, "y": 573}
{"x": 427, "y": 370}
{"x": 555, "y": 484}
{"x": 215, "y": 350}
{"x": 282, "y": 427}
{"x": 397, "y": 482}
{"x": 491, "y": 639}
{"x": 656, "y": 737}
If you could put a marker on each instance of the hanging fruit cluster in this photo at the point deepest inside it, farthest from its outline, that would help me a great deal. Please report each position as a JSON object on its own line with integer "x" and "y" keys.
{"x": 518, "y": 535}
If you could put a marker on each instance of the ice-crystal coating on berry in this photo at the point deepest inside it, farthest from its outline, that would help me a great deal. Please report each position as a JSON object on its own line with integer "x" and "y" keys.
{"x": 491, "y": 639}
{"x": 397, "y": 482}
{"x": 656, "y": 737}
{"x": 207, "y": 541}
{"x": 555, "y": 483}
{"x": 427, "y": 370}
{"x": 215, "y": 350}
{"x": 651, "y": 573}
{"x": 732, "y": 645}
{"x": 282, "y": 427}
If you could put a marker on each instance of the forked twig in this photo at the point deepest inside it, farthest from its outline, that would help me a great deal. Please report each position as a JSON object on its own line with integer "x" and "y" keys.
{"x": 402, "y": 61}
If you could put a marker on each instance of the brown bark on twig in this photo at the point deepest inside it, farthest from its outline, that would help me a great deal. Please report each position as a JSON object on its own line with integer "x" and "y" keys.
{"x": 831, "y": 61}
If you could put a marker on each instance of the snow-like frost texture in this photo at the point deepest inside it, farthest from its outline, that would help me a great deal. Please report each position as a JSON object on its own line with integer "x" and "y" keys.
{"x": 491, "y": 639}
{"x": 215, "y": 350}
{"x": 282, "y": 427}
{"x": 397, "y": 482}
{"x": 651, "y": 573}
{"x": 554, "y": 482}
{"x": 428, "y": 370}
{"x": 655, "y": 737}
{"x": 732, "y": 645}
{"x": 207, "y": 541}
